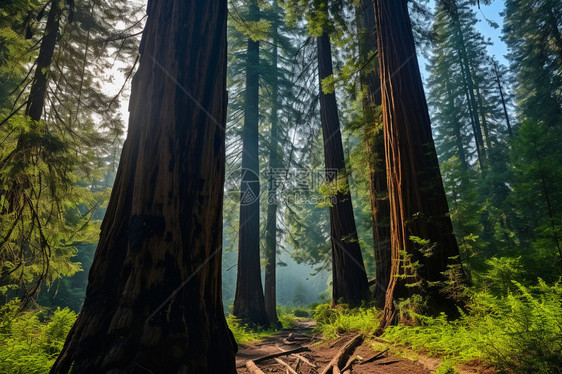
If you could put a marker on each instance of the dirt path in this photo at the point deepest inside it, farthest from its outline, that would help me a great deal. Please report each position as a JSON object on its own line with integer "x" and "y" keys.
{"x": 319, "y": 355}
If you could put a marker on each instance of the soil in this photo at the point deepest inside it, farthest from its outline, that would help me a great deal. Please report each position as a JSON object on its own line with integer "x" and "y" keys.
{"x": 320, "y": 354}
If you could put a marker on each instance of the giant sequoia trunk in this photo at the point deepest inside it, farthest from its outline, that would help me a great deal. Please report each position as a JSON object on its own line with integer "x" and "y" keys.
{"x": 153, "y": 302}
{"x": 349, "y": 279}
{"x": 249, "y": 304}
{"x": 417, "y": 199}
{"x": 274, "y": 164}
{"x": 374, "y": 139}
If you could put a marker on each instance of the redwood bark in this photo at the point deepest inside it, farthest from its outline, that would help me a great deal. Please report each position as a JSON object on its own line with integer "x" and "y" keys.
{"x": 349, "y": 279}
{"x": 249, "y": 303}
{"x": 417, "y": 199}
{"x": 153, "y": 302}
{"x": 374, "y": 139}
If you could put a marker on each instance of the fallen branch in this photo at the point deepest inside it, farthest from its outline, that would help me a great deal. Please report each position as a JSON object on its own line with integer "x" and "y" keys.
{"x": 342, "y": 356}
{"x": 375, "y": 357}
{"x": 252, "y": 368}
{"x": 300, "y": 357}
{"x": 286, "y": 365}
{"x": 349, "y": 363}
{"x": 296, "y": 350}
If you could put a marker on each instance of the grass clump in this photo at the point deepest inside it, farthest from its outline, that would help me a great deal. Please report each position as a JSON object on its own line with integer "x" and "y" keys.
{"x": 31, "y": 340}
{"x": 244, "y": 334}
{"x": 333, "y": 322}
{"x": 521, "y": 332}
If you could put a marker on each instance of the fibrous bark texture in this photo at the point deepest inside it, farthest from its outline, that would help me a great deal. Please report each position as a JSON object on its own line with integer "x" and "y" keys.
{"x": 418, "y": 206}
{"x": 374, "y": 139}
{"x": 153, "y": 302}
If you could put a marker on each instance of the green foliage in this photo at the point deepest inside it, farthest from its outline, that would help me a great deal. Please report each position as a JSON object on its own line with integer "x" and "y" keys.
{"x": 54, "y": 171}
{"x": 333, "y": 322}
{"x": 244, "y": 334}
{"x": 44, "y": 211}
{"x": 31, "y": 340}
{"x": 497, "y": 279}
{"x": 521, "y": 331}
{"x": 287, "y": 320}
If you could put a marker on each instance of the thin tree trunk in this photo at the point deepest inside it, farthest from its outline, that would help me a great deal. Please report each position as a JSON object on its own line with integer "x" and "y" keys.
{"x": 271, "y": 226}
{"x": 483, "y": 120}
{"x": 153, "y": 302}
{"x": 461, "y": 153}
{"x": 378, "y": 190}
{"x": 249, "y": 303}
{"x": 36, "y": 101}
{"x": 498, "y": 81}
{"x": 418, "y": 203}
{"x": 348, "y": 270}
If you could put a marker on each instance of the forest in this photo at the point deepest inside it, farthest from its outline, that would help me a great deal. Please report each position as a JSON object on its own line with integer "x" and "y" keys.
{"x": 287, "y": 186}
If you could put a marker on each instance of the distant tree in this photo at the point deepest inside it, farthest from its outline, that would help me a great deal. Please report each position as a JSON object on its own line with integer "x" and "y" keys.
{"x": 154, "y": 295}
{"x": 469, "y": 115}
{"x": 532, "y": 32}
{"x": 348, "y": 270}
{"x": 418, "y": 203}
{"x": 249, "y": 303}
{"x": 299, "y": 296}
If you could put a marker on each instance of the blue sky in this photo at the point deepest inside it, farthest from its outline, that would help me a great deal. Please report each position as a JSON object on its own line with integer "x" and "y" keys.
{"x": 491, "y": 12}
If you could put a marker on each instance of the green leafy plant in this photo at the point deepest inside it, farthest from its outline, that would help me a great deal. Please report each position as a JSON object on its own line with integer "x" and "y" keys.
{"x": 521, "y": 331}
{"x": 332, "y": 322}
{"x": 31, "y": 340}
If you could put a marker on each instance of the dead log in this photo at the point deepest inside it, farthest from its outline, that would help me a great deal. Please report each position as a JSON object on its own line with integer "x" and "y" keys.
{"x": 347, "y": 367}
{"x": 252, "y": 368}
{"x": 273, "y": 355}
{"x": 300, "y": 357}
{"x": 344, "y": 353}
{"x": 289, "y": 368}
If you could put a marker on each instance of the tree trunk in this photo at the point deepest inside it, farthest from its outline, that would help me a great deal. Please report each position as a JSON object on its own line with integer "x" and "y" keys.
{"x": 505, "y": 113}
{"x": 153, "y": 302}
{"x": 417, "y": 199}
{"x": 249, "y": 303}
{"x": 271, "y": 226}
{"x": 378, "y": 190}
{"x": 36, "y": 100}
{"x": 451, "y": 7}
{"x": 348, "y": 271}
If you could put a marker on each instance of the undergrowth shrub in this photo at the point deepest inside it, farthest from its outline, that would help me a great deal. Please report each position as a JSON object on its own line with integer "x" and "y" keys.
{"x": 31, "y": 340}
{"x": 287, "y": 320}
{"x": 521, "y": 331}
{"x": 301, "y": 312}
{"x": 244, "y": 334}
{"x": 332, "y": 322}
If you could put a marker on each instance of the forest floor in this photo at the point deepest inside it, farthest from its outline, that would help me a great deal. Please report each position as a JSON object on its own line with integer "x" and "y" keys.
{"x": 368, "y": 357}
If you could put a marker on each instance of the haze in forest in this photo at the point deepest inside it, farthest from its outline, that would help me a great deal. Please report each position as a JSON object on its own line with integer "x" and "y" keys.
{"x": 184, "y": 181}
